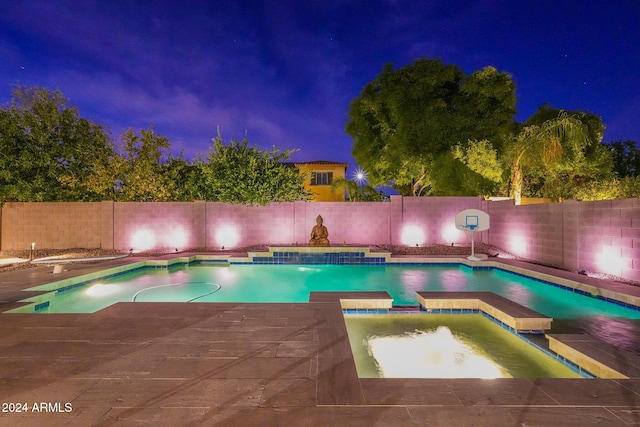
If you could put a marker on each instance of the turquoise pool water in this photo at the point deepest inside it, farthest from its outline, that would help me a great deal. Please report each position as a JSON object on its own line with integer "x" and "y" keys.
{"x": 293, "y": 283}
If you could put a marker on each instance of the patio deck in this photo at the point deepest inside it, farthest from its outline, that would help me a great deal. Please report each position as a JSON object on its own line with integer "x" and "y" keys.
{"x": 256, "y": 364}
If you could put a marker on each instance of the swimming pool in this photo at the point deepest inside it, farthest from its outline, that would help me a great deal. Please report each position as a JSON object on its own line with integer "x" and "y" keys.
{"x": 204, "y": 282}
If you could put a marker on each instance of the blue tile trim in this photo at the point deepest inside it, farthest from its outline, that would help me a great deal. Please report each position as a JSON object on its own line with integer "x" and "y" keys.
{"x": 365, "y": 311}
{"x": 568, "y": 363}
{"x": 337, "y": 258}
{"x": 41, "y": 306}
{"x": 71, "y": 287}
{"x": 449, "y": 310}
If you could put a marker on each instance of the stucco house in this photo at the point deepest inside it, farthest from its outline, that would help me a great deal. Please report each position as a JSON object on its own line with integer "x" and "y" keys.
{"x": 319, "y": 175}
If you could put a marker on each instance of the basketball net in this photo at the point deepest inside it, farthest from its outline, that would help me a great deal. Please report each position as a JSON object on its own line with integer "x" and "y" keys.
{"x": 469, "y": 233}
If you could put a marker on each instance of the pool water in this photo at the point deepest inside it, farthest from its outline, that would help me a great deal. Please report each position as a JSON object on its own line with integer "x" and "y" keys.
{"x": 293, "y": 283}
{"x": 444, "y": 346}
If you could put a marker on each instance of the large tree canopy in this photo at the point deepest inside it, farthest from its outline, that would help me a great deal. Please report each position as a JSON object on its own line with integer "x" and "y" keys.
{"x": 406, "y": 122}
{"x": 47, "y": 152}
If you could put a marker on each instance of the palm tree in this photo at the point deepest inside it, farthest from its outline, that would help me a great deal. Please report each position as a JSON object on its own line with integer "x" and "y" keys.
{"x": 351, "y": 187}
{"x": 354, "y": 191}
{"x": 543, "y": 145}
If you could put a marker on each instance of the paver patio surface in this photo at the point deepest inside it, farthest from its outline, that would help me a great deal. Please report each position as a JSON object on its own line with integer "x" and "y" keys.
{"x": 233, "y": 364}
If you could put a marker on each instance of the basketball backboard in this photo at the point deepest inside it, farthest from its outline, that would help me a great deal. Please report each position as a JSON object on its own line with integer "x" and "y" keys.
{"x": 472, "y": 220}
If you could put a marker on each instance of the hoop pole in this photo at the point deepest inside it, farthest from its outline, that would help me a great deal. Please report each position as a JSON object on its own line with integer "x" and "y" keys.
{"x": 473, "y": 253}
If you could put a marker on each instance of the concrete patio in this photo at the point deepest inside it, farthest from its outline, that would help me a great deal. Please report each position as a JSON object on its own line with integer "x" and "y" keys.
{"x": 255, "y": 365}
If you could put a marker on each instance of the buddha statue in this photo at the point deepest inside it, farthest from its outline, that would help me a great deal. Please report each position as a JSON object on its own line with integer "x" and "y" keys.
{"x": 319, "y": 234}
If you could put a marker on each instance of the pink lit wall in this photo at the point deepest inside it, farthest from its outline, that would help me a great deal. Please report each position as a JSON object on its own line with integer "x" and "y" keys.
{"x": 143, "y": 226}
{"x": 602, "y": 237}
{"x": 609, "y": 237}
{"x": 354, "y": 223}
{"x": 595, "y": 236}
{"x": 530, "y": 231}
{"x": 238, "y": 225}
{"x": 422, "y": 220}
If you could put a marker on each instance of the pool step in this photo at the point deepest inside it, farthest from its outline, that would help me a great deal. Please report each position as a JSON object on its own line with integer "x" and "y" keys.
{"x": 516, "y": 317}
{"x": 599, "y": 358}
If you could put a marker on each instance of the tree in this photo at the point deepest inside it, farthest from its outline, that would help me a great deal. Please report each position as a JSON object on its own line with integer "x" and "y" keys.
{"x": 616, "y": 188}
{"x": 625, "y": 182}
{"x": 357, "y": 192}
{"x": 239, "y": 173}
{"x": 481, "y": 158}
{"x": 542, "y": 146}
{"x": 48, "y": 152}
{"x": 139, "y": 169}
{"x": 626, "y": 158}
{"x": 556, "y": 152}
{"x": 183, "y": 179}
{"x": 407, "y": 120}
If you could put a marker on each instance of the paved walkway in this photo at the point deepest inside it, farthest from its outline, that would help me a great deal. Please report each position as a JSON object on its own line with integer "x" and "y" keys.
{"x": 6, "y": 260}
{"x": 251, "y": 365}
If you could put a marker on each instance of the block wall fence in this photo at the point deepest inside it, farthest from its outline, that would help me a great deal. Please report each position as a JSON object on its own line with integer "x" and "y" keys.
{"x": 599, "y": 236}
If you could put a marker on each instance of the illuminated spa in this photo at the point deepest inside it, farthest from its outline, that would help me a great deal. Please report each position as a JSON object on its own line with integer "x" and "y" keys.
{"x": 444, "y": 346}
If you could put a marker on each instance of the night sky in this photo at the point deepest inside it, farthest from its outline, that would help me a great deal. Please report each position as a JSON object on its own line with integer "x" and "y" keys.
{"x": 285, "y": 71}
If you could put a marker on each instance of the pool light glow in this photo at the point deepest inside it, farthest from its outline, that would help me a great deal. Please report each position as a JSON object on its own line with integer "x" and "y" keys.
{"x": 518, "y": 245}
{"x": 143, "y": 239}
{"x": 431, "y": 354}
{"x": 227, "y": 236}
{"x": 450, "y": 234}
{"x": 412, "y": 235}
{"x": 178, "y": 238}
{"x": 100, "y": 290}
{"x": 609, "y": 260}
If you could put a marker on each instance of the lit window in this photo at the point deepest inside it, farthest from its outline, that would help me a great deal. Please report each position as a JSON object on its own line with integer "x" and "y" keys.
{"x": 321, "y": 178}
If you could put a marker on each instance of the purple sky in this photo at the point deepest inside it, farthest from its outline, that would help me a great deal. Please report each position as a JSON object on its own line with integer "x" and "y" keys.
{"x": 284, "y": 71}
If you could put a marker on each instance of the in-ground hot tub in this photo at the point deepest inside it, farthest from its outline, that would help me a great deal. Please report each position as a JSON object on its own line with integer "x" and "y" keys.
{"x": 445, "y": 346}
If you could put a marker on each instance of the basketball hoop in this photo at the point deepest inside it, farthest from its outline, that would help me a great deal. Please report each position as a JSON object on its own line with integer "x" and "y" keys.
{"x": 470, "y": 221}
